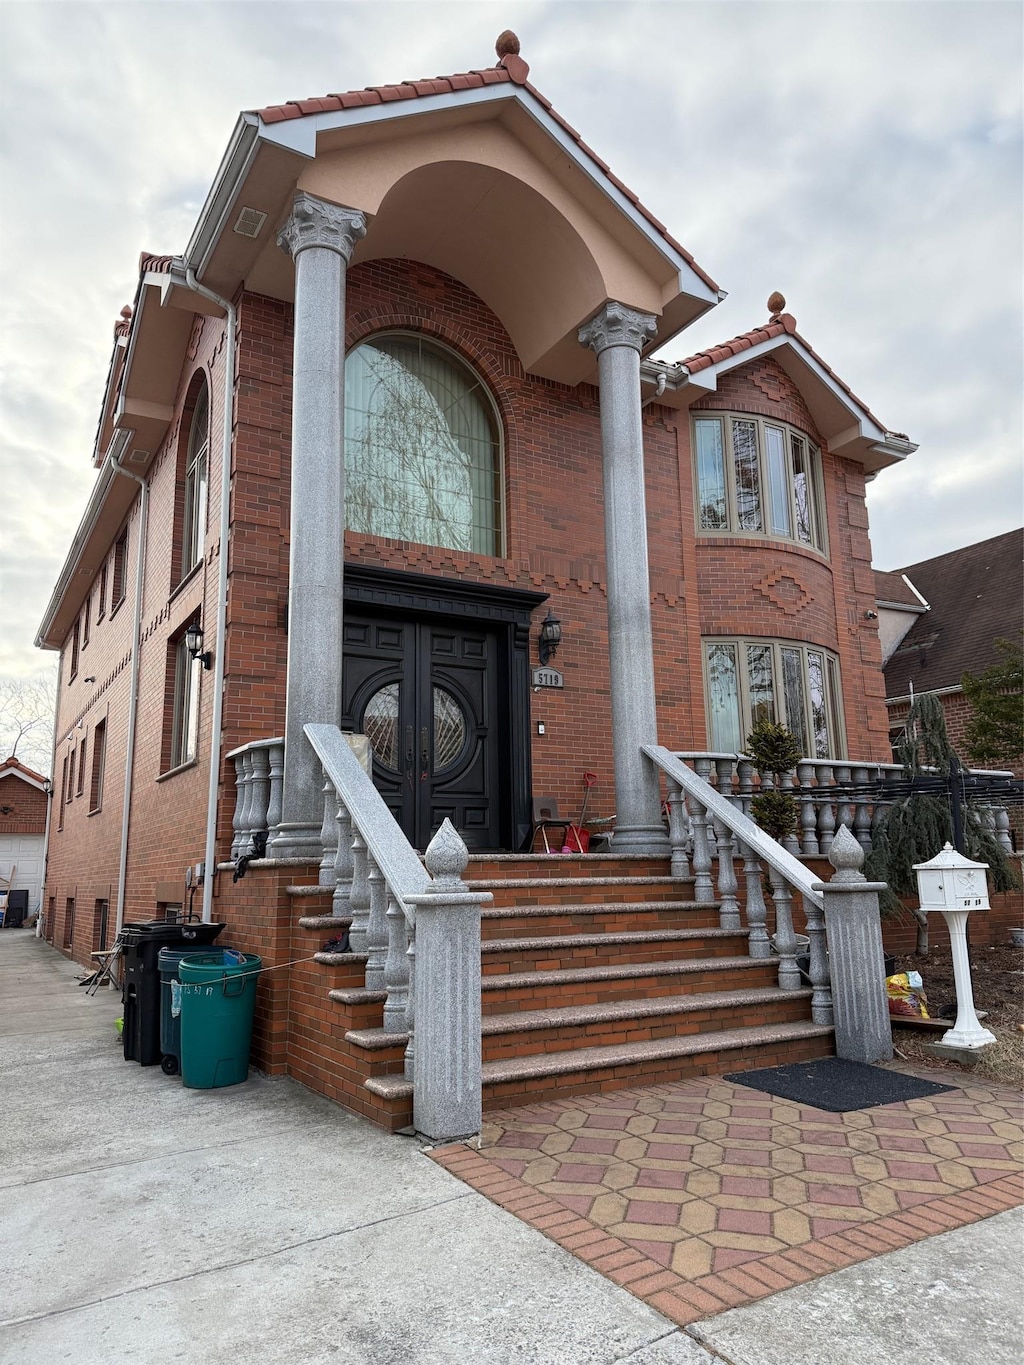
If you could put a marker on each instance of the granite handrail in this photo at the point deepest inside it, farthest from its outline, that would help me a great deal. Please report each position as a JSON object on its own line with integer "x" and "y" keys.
{"x": 712, "y": 825}
{"x": 419, "y": 926}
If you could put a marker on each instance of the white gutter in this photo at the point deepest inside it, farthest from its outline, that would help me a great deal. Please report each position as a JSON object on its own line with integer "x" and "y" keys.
{"x": 133, "y": 696}
{"x": 217, "y": 723}
{"x": 40, "y": 921}
{"x": 926, "y": 605}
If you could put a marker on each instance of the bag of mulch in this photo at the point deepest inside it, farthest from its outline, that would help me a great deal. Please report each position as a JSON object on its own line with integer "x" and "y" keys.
{"x": 906, "y": 995}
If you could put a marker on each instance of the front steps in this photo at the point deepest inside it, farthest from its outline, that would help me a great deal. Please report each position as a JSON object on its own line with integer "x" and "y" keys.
{"x": 598, "y": 973}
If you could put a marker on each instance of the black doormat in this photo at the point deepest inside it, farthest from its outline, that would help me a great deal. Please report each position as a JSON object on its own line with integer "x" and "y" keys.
{"x": 835, "y": 1084}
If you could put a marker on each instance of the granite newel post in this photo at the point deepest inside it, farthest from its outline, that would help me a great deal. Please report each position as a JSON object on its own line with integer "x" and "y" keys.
{"x": 616, "y": 335}
{"x": 857, "y": 961}
{"x": 320, "y": 237}
{"x": 447, "y": 1075}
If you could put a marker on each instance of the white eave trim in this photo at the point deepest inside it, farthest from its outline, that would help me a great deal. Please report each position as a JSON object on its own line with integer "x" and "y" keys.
{"x": 299, "y": 135}
{"x": 868, "y": 428}
{"x": 31, "y": 781}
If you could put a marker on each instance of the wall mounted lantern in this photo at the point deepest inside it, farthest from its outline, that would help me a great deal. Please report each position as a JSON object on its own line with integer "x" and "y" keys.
{"x": 549, "y": 639}
{"x": 194, "y": 644}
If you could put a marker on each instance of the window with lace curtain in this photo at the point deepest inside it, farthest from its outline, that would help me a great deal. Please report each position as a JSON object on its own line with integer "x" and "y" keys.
{"x": 422, "y": 447}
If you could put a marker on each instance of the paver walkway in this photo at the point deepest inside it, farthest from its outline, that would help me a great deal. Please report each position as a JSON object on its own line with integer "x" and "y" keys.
{"x": 704, "y": 1194}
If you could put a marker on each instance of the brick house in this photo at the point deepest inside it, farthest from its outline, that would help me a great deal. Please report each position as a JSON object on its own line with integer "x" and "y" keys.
{"x": 511, "y": 453}
{"x": 24, "y": 805}
{"x": 941, "y": 618}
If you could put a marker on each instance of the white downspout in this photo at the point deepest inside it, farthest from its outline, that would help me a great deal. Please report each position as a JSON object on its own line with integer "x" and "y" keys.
{"x": 133, "y": 696}
{"x": 217, "y": 723}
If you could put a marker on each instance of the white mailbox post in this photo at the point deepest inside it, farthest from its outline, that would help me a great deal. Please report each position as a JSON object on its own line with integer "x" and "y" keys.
{"x": 953, "y": 885}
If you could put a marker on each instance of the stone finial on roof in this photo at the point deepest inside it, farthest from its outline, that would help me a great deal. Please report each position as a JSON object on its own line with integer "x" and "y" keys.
{"x": 776, "y": 303}
{"x": 507, "y": 49}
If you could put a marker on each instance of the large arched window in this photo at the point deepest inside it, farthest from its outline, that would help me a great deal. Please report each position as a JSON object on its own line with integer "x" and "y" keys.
{"x": 422, "y": 447}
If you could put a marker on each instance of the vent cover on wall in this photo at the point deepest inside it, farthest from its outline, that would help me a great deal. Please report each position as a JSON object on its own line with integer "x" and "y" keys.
{"x": 250, "y": 223}
{"x": 138, "y": 457}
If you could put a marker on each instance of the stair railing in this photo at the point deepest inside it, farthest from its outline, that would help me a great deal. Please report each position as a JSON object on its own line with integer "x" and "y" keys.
{"x": 718, "y": 826}
{"x": 420, "y": 929}
{"x": 259, "y": 777}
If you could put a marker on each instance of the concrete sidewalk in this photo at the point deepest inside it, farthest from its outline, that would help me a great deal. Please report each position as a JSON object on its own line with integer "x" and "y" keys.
{"x": 148, "y": 1223}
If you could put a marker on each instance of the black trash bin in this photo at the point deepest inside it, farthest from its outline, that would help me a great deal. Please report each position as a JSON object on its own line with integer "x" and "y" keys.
{"x": 17, "y": 909}
{"x": 140, "y": 1037}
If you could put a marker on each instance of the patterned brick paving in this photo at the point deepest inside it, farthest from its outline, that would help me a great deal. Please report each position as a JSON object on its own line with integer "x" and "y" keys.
{"x": 703, "y": 1195}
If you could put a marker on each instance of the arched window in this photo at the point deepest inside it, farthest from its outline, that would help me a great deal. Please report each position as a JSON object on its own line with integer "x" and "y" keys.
{"x": 196, "y": 475}
{"x": 422, "y": 447}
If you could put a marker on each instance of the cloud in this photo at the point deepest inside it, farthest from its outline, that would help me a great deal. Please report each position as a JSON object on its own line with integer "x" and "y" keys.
{"x": 863, "y": 158}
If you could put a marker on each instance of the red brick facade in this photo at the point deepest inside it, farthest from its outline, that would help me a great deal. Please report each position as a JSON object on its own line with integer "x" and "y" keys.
{"x": 554, "y": 544}
{"x": 22, "y": 806}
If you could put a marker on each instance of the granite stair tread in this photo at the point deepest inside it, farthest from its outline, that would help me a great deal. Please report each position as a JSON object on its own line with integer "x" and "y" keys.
{"x": 570, "y": 975}
{"x": 572, "y": 1016}
{"x": 635, "y": 936}
{"x": 376, "y": 1039}
{"x": 357, "y": 995}
{"x": 299, "y": 892}
{"x": 545, "y": 1064}
{"x": 389, "y": 1087}
{"x": 596, "y": 908}
{"x": 339, "y": 959}
{"x": 325, "y": 921}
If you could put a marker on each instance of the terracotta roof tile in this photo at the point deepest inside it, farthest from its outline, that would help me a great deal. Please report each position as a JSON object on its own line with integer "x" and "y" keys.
{"x": 783, "y": 325}
{"x": 154, "y": 265}
{"x": 512, "y": 69}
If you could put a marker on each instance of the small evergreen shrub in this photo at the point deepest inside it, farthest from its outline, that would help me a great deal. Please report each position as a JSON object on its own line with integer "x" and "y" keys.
{"x": 775, "y": 750}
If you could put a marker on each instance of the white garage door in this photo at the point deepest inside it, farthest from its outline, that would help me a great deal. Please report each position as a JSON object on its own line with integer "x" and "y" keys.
{"x": 23, "y": 852}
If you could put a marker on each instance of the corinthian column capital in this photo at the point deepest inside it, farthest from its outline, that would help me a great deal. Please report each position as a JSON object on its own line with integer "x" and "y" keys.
{"x": 314, "y": 222}
{"x": 617, "y": 325}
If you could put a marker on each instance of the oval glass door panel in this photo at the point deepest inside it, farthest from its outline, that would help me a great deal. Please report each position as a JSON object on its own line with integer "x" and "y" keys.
{"x": 380, "y": 723}
{"x": 449, "y": 729}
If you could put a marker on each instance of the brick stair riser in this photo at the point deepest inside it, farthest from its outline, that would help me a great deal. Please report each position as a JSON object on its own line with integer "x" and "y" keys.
{"x": 540, "y": 868}
{"x": 613, "y": 1032}
{"x": 542, "y": 996}
{"x": 361, "y": 1016}
{"x": 610, "y": 955}
{"x": 613, "y": 919}
{"x": 657, "y": 1071}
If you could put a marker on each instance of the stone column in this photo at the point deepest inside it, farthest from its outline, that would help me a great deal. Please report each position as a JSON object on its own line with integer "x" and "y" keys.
{"x": 856, "y": 958}
{"x": 320, "y": 238}
{"x": 616, "y": 335}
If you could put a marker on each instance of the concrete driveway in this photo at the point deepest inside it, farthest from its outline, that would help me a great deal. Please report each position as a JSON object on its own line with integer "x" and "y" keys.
{"x": 147, "y": 1223}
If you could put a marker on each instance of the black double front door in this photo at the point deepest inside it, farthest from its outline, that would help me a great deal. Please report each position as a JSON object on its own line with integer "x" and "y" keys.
{"x": 432, "y": 695}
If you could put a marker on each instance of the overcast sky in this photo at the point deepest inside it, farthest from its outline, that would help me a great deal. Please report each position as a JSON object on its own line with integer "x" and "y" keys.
{"x": 863, "y": 158}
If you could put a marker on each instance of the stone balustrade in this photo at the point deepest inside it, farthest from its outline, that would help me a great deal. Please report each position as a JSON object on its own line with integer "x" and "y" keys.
{"x": 830, "y": 793}
{"x": 259, "y": 774}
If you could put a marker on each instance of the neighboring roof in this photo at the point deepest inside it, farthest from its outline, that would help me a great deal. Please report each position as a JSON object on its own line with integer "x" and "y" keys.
{"x": 975, "y": 596}
{"x": 893, "y": 590}
{"x": 511, "y": 69}
{"x": 11, "y": 767}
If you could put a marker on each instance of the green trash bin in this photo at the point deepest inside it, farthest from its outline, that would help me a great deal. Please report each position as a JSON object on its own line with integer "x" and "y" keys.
{"x": 218, "y": 999}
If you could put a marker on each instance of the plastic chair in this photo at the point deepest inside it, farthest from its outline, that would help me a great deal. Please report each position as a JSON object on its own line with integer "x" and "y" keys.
{"x": 545, "y": 817}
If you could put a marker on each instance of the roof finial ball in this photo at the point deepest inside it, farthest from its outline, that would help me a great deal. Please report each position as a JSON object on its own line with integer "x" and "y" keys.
{"x": 776, "y": 303}
{"x": 507, "y": 48}
{"x": 507, "y": 45}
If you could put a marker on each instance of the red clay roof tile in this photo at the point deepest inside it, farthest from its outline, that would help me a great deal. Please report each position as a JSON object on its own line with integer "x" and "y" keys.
{"x": 784, "y": 325}
{"x": 511, "y": 69}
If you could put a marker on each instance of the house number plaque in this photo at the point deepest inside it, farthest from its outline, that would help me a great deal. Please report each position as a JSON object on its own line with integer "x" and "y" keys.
{"x": 547, "y": 677}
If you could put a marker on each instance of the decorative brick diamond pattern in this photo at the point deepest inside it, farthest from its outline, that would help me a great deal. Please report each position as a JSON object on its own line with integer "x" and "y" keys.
{"x": 702, "y": 1195}
{"x": 785, "y": 591}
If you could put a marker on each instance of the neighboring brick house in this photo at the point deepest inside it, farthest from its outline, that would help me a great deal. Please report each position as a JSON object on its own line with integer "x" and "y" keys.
{"x": 24, "y": 802}
{"x": 705, "y": 548}
{"x": 941, "y": 619}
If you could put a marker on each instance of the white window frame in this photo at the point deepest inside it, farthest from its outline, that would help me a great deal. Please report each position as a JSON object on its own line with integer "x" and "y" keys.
{"x": 185, "y": 720}
{"x": 780, "y": 650}
{"x": 772, "y": 510}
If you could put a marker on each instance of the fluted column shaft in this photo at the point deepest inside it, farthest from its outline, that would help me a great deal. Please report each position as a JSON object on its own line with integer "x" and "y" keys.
{"x": 320, "y": 237}
{"x": 616, "y": 335}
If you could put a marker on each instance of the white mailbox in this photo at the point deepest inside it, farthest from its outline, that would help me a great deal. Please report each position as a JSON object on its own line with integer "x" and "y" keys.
{"x": 949, "y": 881}
{"x": 953, "y": 885}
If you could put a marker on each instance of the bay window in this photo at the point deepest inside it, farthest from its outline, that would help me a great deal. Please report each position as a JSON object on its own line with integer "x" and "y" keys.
{"x": 797, "y": 685}
{"x": 758, "y": 477}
